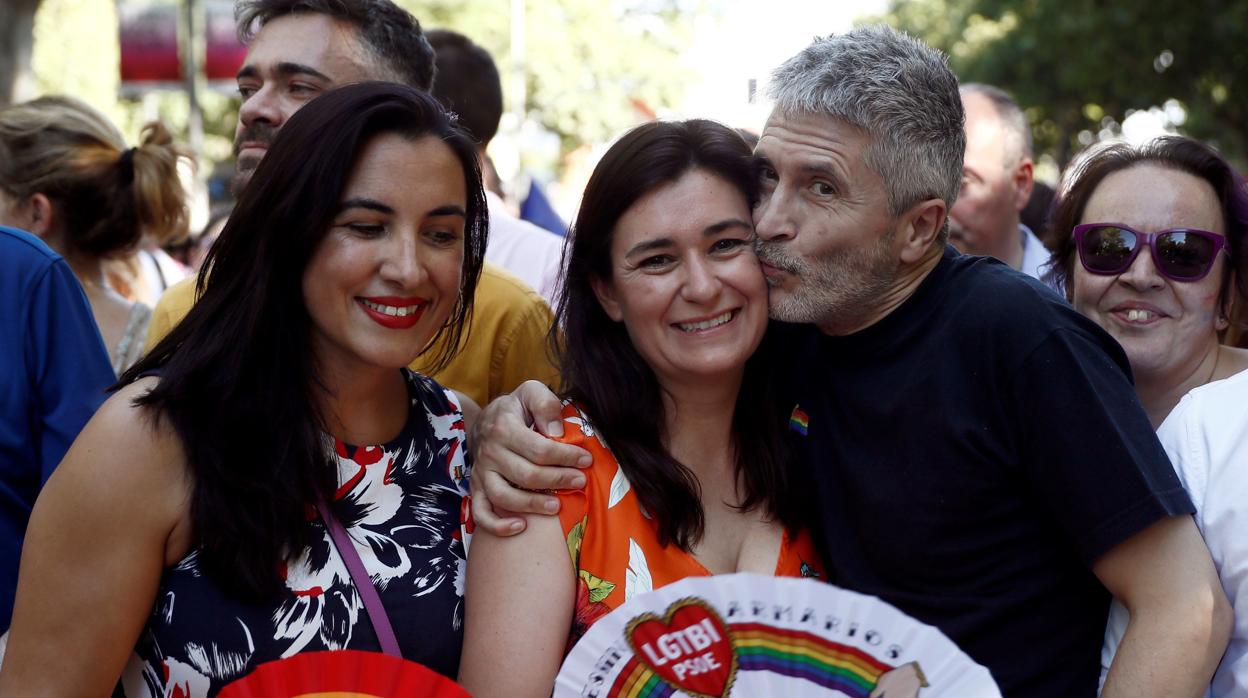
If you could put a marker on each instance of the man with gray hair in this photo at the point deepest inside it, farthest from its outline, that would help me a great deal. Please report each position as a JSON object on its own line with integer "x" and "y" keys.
{"x": 977, "y": 452}
{"x": 996, "y": 182}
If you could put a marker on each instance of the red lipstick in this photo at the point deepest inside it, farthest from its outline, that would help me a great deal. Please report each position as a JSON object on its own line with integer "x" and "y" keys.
{"x": 376, "y": 308}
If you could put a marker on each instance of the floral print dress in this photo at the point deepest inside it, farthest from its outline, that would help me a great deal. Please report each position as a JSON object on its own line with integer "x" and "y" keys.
{"x": 614, "y": 544}
{"x": 400, "y": 503}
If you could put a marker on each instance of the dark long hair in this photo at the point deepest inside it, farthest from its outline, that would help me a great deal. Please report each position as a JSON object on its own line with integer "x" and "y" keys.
{"x": 1173, "y": 152}
{"x": 238, "y": 378}
{"x": 603, "y": 371}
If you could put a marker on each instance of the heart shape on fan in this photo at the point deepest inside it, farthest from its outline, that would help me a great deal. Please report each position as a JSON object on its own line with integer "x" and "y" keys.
{"x": 689, "y": 648}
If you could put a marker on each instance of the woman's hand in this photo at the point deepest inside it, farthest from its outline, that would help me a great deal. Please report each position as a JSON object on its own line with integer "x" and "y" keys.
{"x": 510, "y": 450}
{"x": 113, "y": 515}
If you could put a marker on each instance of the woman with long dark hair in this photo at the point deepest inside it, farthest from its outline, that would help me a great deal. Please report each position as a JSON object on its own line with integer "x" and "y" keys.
{"x": 186, "y": 537}
{"x": 662, "y": 308}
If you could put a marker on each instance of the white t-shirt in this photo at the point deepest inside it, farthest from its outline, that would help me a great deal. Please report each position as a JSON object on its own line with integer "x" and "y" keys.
{"x": 1206, "y": 437}
{"x": 531, "y": 253}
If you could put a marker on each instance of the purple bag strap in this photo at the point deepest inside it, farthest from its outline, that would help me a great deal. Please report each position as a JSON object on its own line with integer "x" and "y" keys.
{"x": 363, "y": 583}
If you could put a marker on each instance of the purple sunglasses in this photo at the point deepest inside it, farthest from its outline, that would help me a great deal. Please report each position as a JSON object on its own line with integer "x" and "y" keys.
{"x": 1180, "y": 254}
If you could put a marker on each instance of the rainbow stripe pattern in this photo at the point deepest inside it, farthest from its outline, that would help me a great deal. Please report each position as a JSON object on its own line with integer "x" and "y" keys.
{"x": 805, "y": 656}
{"x": 791, "y": 653}
{"x": 799, "y": 421}
{"x": 636, "y": 681}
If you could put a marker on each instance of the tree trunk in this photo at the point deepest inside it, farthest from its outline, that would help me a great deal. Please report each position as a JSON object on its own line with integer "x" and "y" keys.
{"x": 17, "y": 39}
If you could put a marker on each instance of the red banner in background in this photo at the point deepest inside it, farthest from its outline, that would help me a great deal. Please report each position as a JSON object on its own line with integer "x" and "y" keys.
{"x": 149, "y": 43}
{"x": 225, "y": 53}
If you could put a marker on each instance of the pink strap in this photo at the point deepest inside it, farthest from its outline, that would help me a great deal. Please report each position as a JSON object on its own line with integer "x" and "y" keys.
{"x": 363, "y": 583}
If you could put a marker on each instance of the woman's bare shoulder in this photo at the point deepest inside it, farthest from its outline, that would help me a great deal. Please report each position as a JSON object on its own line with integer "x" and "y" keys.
{"x": 129, "y": 460}
{"x": 131, "y": 435}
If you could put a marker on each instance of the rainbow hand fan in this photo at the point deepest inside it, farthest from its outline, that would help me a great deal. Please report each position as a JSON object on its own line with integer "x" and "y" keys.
{"x": 745, "y": 635}
{"x": 343, "y": 674}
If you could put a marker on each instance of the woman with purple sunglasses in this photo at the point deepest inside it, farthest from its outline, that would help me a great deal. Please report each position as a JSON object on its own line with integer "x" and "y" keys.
{"x": 1152, "y": 244}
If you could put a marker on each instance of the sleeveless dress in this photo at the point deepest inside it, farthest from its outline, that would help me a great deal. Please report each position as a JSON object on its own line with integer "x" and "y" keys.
{"x": 614, "y": 544}
{"x": 401, "y": 504}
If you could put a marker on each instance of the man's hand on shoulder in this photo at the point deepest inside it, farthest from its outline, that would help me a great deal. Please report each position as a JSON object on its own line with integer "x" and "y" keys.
{"x": 510, "y": 450}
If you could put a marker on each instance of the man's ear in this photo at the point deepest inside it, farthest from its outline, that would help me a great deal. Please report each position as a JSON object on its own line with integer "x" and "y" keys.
{"x": 1024, "y": 180}
{"x": 606, "y": 298}
{"x": 919, "y": 227}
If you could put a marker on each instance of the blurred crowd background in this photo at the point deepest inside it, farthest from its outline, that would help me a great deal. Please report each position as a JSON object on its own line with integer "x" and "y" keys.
{"x": 578, "y": 72}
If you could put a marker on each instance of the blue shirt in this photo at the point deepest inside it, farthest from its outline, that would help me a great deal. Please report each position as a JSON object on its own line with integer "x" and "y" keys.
{"x": 53, "y": 374}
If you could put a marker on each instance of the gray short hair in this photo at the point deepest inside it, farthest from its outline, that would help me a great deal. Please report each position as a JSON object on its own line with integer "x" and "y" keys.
{"x": 1013, "y": 120}
{"x": 898, "y": 90}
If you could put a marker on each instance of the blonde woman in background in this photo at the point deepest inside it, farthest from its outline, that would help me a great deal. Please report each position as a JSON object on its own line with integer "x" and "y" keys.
{"x": 67, "y": 176}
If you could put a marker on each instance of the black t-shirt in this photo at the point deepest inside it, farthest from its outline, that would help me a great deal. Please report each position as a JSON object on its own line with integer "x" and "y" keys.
{"x": 974, "y": 453}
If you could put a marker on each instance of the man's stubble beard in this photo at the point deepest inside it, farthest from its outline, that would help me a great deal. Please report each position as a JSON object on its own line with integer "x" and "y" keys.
{"x": 241, "y": 178}
{"x": 837, "y": 290}
{"x": 244, "y": 168}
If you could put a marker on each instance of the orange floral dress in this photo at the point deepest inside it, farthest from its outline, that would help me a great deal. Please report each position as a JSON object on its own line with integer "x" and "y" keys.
{"x": 614, "y": 544}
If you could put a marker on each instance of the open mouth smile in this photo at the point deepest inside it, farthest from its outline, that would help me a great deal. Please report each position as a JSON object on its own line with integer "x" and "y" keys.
{"x": 708, "y": 324}
{"x": 394, "y": 313}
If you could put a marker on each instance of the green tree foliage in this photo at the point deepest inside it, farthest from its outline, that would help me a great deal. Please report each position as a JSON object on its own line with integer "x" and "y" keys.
{"x": 1083, "y": 65}
{"x": 588, "y": 64}
{"x": 17, "y": 19}
{"x": 76, "y": 51}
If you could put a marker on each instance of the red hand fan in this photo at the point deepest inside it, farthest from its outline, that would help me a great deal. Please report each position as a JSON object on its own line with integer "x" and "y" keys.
{"x": 343, "y": 674}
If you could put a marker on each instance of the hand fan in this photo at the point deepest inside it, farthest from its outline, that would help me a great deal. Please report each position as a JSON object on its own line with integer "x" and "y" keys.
{"x": 751, "y": 635}
{"x": 343, "y": 674}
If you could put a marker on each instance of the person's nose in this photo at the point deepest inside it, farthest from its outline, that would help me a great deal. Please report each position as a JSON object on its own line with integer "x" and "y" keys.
{"x": 263, "y": 106}
{"x": 1142, "y": 275}
{"x": 402, "y": 265}
{"x": 701, "y": 284}
{"x": 772, "y": 218}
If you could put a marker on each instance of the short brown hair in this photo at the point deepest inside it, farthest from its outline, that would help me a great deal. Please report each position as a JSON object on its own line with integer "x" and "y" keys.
{"x": 1173, "y": 152}
{"x": 390, "y": 32}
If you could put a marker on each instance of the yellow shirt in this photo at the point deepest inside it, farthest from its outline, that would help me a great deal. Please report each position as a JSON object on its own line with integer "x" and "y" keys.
{"x": 505, "y": 343}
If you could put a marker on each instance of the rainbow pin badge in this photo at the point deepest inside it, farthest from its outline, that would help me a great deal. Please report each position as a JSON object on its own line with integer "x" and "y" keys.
{"x": 798, "y": 420}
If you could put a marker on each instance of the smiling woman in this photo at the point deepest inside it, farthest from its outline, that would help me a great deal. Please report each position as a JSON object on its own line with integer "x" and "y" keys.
{"x": 663, "y": 311}
{"x": 186, "y": 510}
{"x": 387, "y": 237}
{"x": 689, "y": 297}
{"x": 1153, "y": 246}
